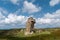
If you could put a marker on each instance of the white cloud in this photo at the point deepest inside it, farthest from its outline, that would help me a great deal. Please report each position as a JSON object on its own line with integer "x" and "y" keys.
{"x": 30, "y": 7}
{"x": 1, "y": 16}
{"x": 12, "y": 18}
{"x": 50, "y": 19}
{"x": 33, "y": 0}
{"x": 54, "y": 2}
{"x": 15, "y": 1}
{"x": 3, "y": 11}
{"x": 42, "y": 20}
{"x": 53, "y": 15}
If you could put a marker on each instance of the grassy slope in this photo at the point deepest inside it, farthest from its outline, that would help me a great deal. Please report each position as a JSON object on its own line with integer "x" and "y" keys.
{"x": 16, "y": 34}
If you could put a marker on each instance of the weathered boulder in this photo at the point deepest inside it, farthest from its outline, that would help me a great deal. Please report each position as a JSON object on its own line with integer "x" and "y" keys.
{"x": 30, "y": 26}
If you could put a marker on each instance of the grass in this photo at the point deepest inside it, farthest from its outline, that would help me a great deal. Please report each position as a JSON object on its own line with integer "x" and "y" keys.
{"x": 44, "y": 35}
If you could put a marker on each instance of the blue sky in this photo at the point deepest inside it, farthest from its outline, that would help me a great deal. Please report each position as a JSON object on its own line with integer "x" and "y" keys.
{"x": 14, "y": 13}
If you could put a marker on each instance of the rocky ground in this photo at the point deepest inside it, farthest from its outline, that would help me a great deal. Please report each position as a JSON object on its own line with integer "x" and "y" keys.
{"x": 40, "y": 34}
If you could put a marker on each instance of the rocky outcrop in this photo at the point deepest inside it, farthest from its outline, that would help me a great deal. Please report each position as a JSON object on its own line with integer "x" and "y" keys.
{"x": 30, "y": 26}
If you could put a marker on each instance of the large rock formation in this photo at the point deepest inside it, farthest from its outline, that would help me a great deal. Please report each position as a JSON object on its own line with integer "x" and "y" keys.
{"x": 30, "y": 26}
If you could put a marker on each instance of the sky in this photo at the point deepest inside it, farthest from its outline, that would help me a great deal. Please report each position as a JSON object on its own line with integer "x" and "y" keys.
{"x": 14, "y": 13}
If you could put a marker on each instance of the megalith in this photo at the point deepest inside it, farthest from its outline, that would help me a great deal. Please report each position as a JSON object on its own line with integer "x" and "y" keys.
{"x": 30, "y": 26}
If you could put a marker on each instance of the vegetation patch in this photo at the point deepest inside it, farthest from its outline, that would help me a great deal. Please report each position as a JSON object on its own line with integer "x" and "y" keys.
{"x": 17, "y": 34}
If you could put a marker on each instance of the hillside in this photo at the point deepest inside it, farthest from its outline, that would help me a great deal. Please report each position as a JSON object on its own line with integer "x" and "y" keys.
{"x": 40, "y": 34}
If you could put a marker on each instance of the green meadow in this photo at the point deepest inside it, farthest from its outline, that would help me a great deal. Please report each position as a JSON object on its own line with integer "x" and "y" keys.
{"x": 40, "y": 34}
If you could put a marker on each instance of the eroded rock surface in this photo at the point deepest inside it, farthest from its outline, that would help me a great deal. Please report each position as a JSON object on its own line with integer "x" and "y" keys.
{"x": 30, "y": 26}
